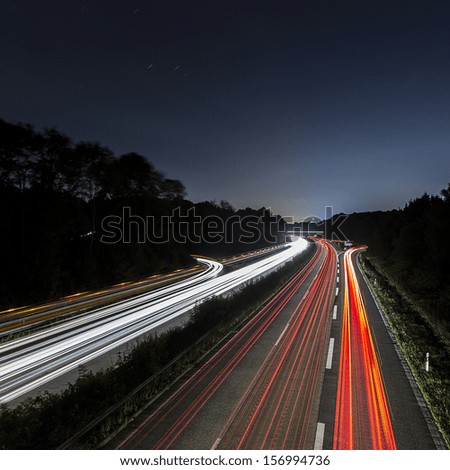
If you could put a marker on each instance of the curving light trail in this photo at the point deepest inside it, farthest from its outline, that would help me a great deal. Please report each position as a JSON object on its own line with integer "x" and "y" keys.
{"x": 362, "y": 419}
{"x": 30, "y": 362}
{"x": 24, "y": 318}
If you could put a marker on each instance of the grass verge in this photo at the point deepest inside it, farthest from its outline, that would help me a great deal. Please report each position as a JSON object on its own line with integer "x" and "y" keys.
{"x": 415, "y": 337}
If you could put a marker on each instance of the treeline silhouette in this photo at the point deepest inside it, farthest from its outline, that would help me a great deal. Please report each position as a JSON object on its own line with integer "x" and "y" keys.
{"x": 410, "y": 246}
{"x": 55, "y": 195}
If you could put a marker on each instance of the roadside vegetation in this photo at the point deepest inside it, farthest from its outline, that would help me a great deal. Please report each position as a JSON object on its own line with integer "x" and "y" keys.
{"x": 416, "y": 337}
{"x": 98, "y": 404}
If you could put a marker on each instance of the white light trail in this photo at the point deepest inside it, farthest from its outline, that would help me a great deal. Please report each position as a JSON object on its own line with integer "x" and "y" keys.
{"x": 30, "y": 362}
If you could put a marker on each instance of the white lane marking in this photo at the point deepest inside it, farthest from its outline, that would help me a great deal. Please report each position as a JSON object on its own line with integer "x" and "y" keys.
{"x": 337, "y": 291}
{"x": 335, "y": 312}
{"x": 320, "y": 433}
{"x": 338, "y": 270}
{"x": 330, "y": 353}
{"x": 282, "y": 334}
{"x": 337, "y": 280}
{"x": 216, "y": 444}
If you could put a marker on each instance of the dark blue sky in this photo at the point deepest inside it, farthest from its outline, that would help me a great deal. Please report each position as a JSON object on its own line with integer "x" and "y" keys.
{"x": 290, "y": 104}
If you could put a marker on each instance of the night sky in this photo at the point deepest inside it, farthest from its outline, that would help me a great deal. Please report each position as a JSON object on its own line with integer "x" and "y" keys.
{"x": 296, "y": 105}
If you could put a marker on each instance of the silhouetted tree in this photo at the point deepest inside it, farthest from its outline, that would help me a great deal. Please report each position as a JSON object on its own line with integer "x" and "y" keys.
{"x": 18, "y": 154}
{"x": 172, "y": 189}
{"x": 54, "y": 194}
{"x": 49, "y": 169}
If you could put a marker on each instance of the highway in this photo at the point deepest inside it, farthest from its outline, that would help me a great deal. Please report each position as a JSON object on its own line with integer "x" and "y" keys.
{"x": 314, "y": 368}
{"x": 32, "y": 317}
{"x": 369, "y": 397}
{"x": 363, "y": 418}
{"x": 278, "y": 411}
{"x": 208, "y": 409}
{"x": 29, "y": 362}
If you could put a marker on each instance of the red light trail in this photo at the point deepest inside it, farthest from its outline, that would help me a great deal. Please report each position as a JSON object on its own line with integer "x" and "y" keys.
{"x": 167, "y": 423}
{"x": 362, "y": 419}
{"x": 279, "y": 410}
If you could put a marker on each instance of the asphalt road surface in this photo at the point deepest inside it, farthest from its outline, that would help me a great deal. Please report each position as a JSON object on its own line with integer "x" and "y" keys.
{"x": 368, "y": 401}
{"x": 314, "y": 368}
{"x": 202, "y": 412}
